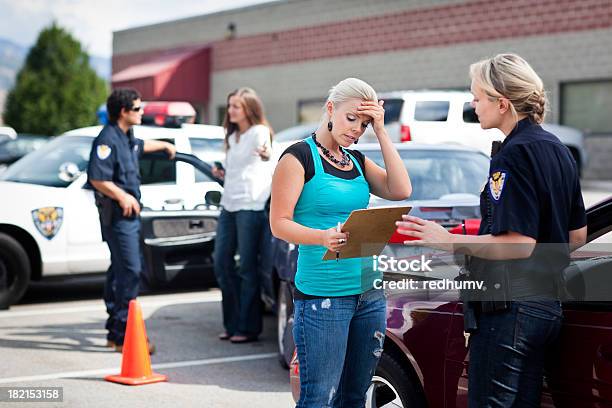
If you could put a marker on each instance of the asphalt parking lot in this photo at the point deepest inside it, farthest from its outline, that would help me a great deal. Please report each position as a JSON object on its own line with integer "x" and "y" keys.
{"x": 55, "y": 338}
{"x": 62, "y": 344}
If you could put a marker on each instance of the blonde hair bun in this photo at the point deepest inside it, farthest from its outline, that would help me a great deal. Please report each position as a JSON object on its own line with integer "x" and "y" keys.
{"x": 511, "y": 77}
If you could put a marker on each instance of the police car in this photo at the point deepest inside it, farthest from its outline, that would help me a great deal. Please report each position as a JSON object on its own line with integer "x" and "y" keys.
{"x": 49, "y": 224}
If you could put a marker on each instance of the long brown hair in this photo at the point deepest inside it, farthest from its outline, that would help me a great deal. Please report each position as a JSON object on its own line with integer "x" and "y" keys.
{"x": 253, "y": 109}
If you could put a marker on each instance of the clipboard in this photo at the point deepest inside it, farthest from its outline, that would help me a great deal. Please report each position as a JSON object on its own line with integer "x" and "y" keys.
{"x": 370, "y": 230}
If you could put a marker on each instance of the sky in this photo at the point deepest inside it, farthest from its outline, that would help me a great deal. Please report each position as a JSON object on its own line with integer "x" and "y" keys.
{"x": 92, "y": 21}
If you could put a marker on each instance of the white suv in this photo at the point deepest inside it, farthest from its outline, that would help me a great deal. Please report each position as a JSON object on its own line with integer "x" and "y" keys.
{"x": 49, "y": 223}
{"x": 448, "y": 117}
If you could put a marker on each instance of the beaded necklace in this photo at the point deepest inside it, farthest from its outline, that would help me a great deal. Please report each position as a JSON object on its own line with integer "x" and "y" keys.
{"x": 342, "y": 163}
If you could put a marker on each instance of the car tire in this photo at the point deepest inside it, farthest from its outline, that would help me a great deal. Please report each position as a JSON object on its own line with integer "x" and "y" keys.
{"x": 392, "y": 386}
{"x": 14, "y": 271}
{"x": 284, "y": 318}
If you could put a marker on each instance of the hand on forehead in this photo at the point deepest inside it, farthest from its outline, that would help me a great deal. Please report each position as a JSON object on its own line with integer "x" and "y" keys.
{"x": 351, "y": 105}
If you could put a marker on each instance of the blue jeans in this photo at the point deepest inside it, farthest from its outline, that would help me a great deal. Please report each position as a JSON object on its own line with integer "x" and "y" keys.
{"x": 507, "y": 354}
{"x": 240, "y": 290}
{"x": 123, "y": 275}
{"x": 339, "y": 341}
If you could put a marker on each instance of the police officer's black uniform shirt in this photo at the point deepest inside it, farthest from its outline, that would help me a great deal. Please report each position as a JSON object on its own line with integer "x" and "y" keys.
{"x": 114, "y": 157}
{"x": 533, "y": 187}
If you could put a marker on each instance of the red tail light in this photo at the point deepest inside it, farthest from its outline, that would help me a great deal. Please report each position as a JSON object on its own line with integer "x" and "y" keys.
{"x": 405, "y": 133}
{"x": 471, "y": 228}
{"x": 398, "y": 238}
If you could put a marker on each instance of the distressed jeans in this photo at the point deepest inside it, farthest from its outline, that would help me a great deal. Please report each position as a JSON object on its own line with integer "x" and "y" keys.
{"x": 507, "y": 354}
{"x": 339, "y": 341}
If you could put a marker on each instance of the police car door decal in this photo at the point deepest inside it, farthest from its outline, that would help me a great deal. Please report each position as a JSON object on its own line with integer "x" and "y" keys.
{"x": 48, "y": 220}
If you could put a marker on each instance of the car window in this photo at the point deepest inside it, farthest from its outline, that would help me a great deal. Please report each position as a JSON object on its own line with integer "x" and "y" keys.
{"x": 587, "y": 280}
{"x": 436, "y": 173}
{"x": 201, "y": 177}
{"x": 469, "y": 113}
{"x": 157, "y": 171}
{"x": 42, "y": 166}
{"x": 431, "y": 111}
{"x": 393, "y": 108}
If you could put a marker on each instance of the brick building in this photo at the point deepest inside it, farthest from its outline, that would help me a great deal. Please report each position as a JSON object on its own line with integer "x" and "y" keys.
{"x": 292, "y": 51}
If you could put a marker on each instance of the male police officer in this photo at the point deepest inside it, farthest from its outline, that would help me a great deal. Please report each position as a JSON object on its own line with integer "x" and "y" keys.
{"x": 114, "y": 174}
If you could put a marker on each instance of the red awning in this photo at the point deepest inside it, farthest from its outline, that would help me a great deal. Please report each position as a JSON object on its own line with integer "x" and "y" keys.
{"x": 182, "y": 75}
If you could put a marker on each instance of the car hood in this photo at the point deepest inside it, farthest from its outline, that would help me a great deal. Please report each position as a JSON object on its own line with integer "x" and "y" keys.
{"x": 451, "y": 206}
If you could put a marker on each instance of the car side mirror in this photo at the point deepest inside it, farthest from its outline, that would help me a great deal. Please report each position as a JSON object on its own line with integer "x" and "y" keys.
{"x": 68, "y": 172}
{"x": 213, "y": 198}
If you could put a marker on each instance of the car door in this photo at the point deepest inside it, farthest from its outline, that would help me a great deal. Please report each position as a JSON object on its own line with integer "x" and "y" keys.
{"x": 579, "y": 371}
{"x": 179, "y": 239}
{"x": 85, "y": 250}
{"x": 580, "y": 375}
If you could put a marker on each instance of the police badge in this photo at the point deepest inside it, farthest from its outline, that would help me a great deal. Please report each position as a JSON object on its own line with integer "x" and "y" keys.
{"x": 496, "y": 184}
{"x": 103, "y": 151}
{"x": 48, "y": 220}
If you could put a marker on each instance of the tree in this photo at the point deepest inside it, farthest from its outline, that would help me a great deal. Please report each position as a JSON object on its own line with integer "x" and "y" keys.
{"x": 56, "y": 89}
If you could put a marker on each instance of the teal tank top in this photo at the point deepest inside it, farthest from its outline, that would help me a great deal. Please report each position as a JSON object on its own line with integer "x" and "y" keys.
{"x": 326, "y": 200}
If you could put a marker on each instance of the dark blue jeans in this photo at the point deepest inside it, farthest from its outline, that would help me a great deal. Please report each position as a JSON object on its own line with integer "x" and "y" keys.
{"x": 507, "y": 354}
{"x": 339, "y": 341}
{"x": 123, "y": 275}
{"x": 240, "y": 290}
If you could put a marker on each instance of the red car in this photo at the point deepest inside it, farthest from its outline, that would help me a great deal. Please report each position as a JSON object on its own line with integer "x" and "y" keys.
{"x": 425, "y": 361}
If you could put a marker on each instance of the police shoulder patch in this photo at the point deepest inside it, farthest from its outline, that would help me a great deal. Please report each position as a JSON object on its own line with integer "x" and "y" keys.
{"x": 103, "y": 151}
{"x": 497, "y": 181}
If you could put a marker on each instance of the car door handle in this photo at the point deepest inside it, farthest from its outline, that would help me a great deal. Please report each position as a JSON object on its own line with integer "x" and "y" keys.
{"x": 196, "y": 224}
{"x": 173, "y": 201}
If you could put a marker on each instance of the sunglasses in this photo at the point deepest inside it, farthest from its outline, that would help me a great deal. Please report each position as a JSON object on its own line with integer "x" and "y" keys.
{"x": 136, "y": 109}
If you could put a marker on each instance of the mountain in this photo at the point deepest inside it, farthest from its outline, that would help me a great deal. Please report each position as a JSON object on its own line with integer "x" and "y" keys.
{"x": 11, "y": 58}
{"x": 102, "y": 66}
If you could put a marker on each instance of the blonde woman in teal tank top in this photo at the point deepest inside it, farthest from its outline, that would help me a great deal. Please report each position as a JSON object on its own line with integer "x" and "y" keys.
{"x": 339, "y": 322}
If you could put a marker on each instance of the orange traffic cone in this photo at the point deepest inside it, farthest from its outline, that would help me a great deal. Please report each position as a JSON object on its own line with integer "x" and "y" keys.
{"x": 136, "y": 362}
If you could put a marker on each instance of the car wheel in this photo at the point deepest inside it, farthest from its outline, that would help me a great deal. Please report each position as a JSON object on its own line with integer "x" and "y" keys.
{"x": 284, "y": 317}
{"x": 392, "y": 387}
{"x": 14, "y": 271}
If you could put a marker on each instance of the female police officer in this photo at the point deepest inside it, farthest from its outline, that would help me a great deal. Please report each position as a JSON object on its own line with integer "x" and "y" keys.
{"x": 114, "y": 174}
{"x": 533, "y": 199}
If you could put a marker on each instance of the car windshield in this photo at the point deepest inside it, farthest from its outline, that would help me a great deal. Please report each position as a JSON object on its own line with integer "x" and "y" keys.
{"x": 42, "y": 166}
{"x": 436, "y": 173}
{"x": 208, "y": 150}
{"x": 22, "y": 145}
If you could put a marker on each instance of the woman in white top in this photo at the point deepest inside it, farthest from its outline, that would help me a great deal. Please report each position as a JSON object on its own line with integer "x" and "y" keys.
{"x": 247, "y": 179}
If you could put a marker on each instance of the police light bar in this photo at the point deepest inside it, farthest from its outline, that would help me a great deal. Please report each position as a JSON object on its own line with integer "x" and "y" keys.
{"x": 168, "y": 114}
